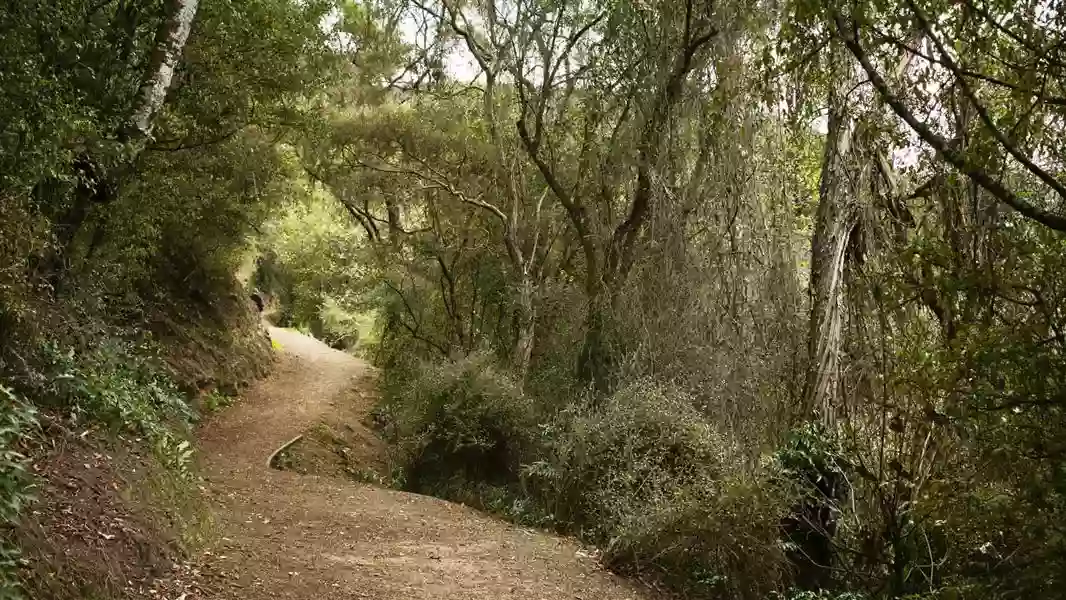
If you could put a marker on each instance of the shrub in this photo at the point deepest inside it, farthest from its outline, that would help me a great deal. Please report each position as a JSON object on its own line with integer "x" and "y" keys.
{"x": 17, "y": 419}
{"x": 643, "y": 476}
{"x": 118, "y": 384}
{"x": 609, "y": 460}
{"x": 458, "y": 423}
{"x": 215, "y": 401}
{"x": 720, "y": 543}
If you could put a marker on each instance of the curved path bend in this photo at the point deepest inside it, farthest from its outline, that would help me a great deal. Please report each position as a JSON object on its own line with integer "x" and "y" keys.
{"x": 311, "y": 537}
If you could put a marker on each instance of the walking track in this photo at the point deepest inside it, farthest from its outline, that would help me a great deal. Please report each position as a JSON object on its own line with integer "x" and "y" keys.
{"x": 314, "y": 537}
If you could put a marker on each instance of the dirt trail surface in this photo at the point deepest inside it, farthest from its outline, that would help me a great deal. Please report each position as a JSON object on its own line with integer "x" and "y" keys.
{"x": 314, "y": 537}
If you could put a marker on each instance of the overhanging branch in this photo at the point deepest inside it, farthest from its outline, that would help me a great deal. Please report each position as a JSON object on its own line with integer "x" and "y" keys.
{"x": 849, "y": 35}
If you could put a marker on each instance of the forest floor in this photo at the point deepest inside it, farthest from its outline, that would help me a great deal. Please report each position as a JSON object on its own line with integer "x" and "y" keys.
{"x": 323, "y": 536}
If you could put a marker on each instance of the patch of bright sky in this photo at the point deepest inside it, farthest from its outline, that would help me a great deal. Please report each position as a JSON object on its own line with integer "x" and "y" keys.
{"x": 459, "y": 63}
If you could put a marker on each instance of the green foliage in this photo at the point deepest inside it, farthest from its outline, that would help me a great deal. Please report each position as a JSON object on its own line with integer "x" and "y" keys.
{"x": 810, "y": 455}
{"x": 120, "y": 385}
{"x": 315, "y": 267}
{"x": 215, "y": 401}
{"x": 24, "y": 239}
{"x": 458, "y": 423}
{"x": 17, "y": 423}
{"x": 643, "y": 475}
{"x": 1002, "y": 505}
{"x": 821, "y": 595}
{"x": 656, "y": 205}
{"x": 66, "y": 80}
{"x": 615, "y": 461}
{"x": 108, "y": 240}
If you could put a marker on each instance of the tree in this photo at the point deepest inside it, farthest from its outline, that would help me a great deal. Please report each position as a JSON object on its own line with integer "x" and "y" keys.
{"x": 100, "y": 176}
{"x": 1030, "y": 138}
{"x": 616, "y": 74}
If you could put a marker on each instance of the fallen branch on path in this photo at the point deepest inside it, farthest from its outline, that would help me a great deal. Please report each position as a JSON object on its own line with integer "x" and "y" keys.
{"x": 284, "y": 447}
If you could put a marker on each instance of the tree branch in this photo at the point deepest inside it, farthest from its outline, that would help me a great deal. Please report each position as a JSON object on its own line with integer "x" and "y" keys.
{"x": 442, "y": 184}
{"x": 849, "y": 35}
{"x": 982, "y": 112}
{"x": 620, "y": 254}
{"x": 959, "y": 71}
{"x": 414, "y": 331}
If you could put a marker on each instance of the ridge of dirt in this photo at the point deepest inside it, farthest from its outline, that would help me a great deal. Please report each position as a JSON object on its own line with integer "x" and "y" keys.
{"x": 310, "y": 537}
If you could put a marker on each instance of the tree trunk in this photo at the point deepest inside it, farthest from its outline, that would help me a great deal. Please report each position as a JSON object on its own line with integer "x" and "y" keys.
{"x": 812, "y": 524}
{"x": 99, "y": 185}
{"x": 835, "y": 221}
{"x": 525, "y": 317}
{"x": 169, "y": 44}
{"x": 594, "y": 363}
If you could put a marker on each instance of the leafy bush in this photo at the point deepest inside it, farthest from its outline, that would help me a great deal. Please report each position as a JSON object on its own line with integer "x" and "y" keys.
{"x": 643, "y": 476}
{"x": 458, "y": 423}
{"x": 814, "y": 466}
{"x": 640, "y": 474}
{"x": 609, "y": 463}
{"x": 17, "y": 419}
{"x": 118, "y": 384}
{"x": 710, "y": 543}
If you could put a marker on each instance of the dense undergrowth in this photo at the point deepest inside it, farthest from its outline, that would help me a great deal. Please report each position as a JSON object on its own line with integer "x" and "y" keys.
{"x": 664, "y": 494}
{"x": 761, "y": 300}
{"x": 116, "y": 390}
{"x": 639, "y": 474}
{"x": 123, "y": 224}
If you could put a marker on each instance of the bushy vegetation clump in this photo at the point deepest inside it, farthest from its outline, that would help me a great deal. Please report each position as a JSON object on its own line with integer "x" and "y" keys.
{"x": 640, "y": 474}
{"x": 458, "y": 424}
{"x": 18, "y": 424}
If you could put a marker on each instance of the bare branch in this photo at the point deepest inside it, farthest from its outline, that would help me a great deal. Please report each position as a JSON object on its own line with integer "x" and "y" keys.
{"x": 441, "y": 183}
{"x": 849, "y": 35}
{"x": 982, "y": 112}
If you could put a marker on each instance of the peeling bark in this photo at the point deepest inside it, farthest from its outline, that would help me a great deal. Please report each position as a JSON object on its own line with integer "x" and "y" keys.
{"x": 835, "y": 220}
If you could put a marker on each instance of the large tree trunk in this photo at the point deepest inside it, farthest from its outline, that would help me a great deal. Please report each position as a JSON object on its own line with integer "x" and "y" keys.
{"x": 812, "y": 524}
{"x": 835, "y": 221}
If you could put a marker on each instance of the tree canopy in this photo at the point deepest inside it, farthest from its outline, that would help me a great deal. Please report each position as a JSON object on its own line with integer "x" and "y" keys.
{"x": 759, "y": 297}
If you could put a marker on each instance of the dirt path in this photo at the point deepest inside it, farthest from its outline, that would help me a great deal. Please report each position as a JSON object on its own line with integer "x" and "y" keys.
{"x": 314, "y": 537}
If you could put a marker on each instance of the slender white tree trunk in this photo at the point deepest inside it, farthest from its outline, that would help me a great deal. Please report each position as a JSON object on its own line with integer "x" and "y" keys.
{"x": 158, "y": 76}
